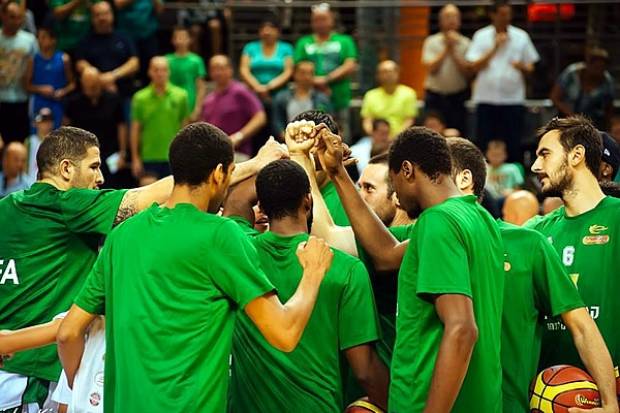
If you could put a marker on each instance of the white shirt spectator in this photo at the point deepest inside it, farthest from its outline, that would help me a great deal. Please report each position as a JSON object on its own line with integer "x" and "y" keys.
{"x": 448, "y": 79}
{"x": 500, "y": 83}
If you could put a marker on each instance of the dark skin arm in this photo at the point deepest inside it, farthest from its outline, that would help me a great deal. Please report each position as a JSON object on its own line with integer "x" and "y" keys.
{"x": 386, "y": 252}
{"x": 370, "y": 372}
{"x": 456, "y": 313}
{"x": 241, "y": 199}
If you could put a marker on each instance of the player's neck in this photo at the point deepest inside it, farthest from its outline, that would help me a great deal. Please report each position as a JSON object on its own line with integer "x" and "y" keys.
{"x": 183, "y": 194}
{"x": 400, "y": 218}
{"x": 55, "y": 182}
{"x": 584, "y": 195}
{"x": 443, "y": 189}
{"x": 289, "y": 226}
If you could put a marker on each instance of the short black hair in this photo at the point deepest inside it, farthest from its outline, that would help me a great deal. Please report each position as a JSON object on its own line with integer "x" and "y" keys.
{"x": 497, "y": 4}
{"x": 434, "y": 114}
{"x": 66, "y": 142}
{"x": 466, "y": 155}
{"x": 269, "y": 19}
{"x": 423, "y": 147}
{"x": 281, "y": 187}
{"x": 578, "y": 130}
{"x": 382, "y": 158}
{"x": 610, "y": 188}
{"x": 196, "y": 151}
{"x": 49, "y": 29}
{"x": 379, "y": 121}
{"x": 318, "y": 117}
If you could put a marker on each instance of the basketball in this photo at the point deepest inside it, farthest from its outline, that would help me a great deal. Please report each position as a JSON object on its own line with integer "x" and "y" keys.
{"x": 558, "y": 388}
{"x": 363, "y": 406}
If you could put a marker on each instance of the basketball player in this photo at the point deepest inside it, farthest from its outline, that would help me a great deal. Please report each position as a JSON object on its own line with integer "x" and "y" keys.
{"x": 169, "y": 305}
{"x": 450, "y": 286}
{"x": 585, "y": 231}
{"x": 536, "y": 285}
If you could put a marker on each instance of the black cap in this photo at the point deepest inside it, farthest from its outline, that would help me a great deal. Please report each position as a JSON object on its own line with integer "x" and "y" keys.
{"x": 611, "y": 152}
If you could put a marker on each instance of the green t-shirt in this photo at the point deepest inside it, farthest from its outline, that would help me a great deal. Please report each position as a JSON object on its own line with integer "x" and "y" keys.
{"x": 589, "y": 249}
{"x": 160, "y": 117}
{"x": 170, "y": 306}
{"x": 334, "y": 205}
{"x": 327, "y": 56}
{"x": 71, "y": 30}
{"x": 48, "y": 243}
{"x": 184, "y": 70}
{"x": 536, "y": 285}
{"x": 308, "y": 379}
{"x": 455, "y": 248}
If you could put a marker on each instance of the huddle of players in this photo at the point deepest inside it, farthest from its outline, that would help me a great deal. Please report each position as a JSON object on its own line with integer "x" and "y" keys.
{"x": 170, "y": 279}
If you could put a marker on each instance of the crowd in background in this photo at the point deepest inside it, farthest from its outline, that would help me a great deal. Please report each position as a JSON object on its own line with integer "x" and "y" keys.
{"x": 98, "y": 66}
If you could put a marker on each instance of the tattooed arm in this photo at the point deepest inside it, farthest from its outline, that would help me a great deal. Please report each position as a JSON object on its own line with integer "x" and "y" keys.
{"x": 135, "y": 200}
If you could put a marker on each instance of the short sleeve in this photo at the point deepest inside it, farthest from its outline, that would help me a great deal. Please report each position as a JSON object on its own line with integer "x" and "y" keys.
{"x": 248, "y": 50}
{"x": 202, "y": 70}
{"x": 287, "y": 49}
{"x": 358, "y": 322}
{"x": 88, "y": 211}
{"x": 443, "y": 266}
{"x": 236, "y": 270}
{"x": 555, "y": 293}
{"x": 300, "y": 50}
{"x": 530, "y": 54}
{"x": 410, "y": 108}
{"x": 429, "y": 50}
{"x": 475, "y": 50}
{"x": 92, "y": 296}
{"x": 366, "y": 110}
{"x": 349, "y": 49}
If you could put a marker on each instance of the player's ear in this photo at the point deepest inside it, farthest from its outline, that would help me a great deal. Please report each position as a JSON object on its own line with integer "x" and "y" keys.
{"x": 307, "y": 202}
{"x": 408, "y": 170}
{"x": 218, "y": 175}
{"x": 66, "y": 169}
{"x": 577, "y": 155}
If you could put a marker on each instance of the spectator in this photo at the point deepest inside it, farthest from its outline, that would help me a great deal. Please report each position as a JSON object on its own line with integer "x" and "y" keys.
{"x": 138, "y": 19}
{"x": 113, "y": 54}
{"x": 377, "y": 143}
{"x": 434, "y": 121}
{"x": 71, "y": 22}
{"x": 13, "y": 178}
{"x": 207, "y": 26}
{"x": 44, "y": 124}
{"x": 157, "y": 113}
{"x": 300, "y": 97}
{"x": 501, "y": 55}
{"x": 502, "y": 178}
{"x": 610, "y": 162}
{"x": 335, "y": 59}
{"x": 17, "y": 47}
{"x": 100, "y": 112}
{"x": 391, "y": 101}
{"x": 551, "y": 203}
{"x": 187, "y": 70}
{"x": 49, "y": 76}
{"x": 519, "y": 207}
{"x": 232, "y": 107}
{"x": 447, "y": 82}
{"x": 586, "y": 88}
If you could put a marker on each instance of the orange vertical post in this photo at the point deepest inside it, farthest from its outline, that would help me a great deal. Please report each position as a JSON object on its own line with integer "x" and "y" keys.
{"x": 414, "y": 27}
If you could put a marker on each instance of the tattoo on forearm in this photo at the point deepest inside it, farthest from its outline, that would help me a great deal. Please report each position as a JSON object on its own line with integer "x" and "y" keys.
{"x": 128, "y": 207}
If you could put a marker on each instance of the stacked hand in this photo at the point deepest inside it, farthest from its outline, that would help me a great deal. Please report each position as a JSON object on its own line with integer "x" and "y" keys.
{"x": 300, "y": 136}
{"x": 271, "y": 151}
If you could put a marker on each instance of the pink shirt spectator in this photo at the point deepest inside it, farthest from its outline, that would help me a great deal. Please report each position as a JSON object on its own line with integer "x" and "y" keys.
{"x": 231, "y": 109}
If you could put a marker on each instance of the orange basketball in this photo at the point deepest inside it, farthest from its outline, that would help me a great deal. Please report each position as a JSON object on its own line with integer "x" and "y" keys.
{"x": 558, "y": 388}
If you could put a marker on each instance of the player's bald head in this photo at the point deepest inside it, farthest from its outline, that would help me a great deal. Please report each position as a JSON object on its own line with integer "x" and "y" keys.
{"x": 519, "y": 207}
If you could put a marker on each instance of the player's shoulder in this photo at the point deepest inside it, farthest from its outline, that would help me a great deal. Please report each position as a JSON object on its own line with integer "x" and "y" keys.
{"x": 540, "y": 222}
{"x": 511, "y": 232}
{"x": 346, "y": 268}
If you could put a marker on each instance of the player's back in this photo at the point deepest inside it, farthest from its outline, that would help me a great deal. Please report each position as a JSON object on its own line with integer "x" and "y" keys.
{"x": 170, "y": 308}
{"x": 455, "y": 248}
{"x": 588, "y": 245}
{"x": 48, "y": 243}
{"x": 307, "y": 379}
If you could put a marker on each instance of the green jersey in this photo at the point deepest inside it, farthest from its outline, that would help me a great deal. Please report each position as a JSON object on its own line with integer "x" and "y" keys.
{"x": 334, "y": 205}
{"x": 184, "y": 71}
{"x": 455, "y": 248}
{"x": 589, "y": 247}
{"x": 536, "y": 285}
{"x": 169, "y": 308}
{"x": 48, "y": 243}
{"x": 308, "y": 379}
{"x": 327, "y": 56}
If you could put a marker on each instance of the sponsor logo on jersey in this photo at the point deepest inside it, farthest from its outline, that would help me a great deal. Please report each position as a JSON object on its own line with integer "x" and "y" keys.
{"x": 595, "y": 239}
{"x": 95, "y": 399}
{"x": 597, "y": 229}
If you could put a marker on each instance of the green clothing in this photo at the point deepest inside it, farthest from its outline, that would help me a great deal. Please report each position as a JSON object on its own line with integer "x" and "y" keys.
{"x": 455, "y": 248}
{"x": 308, "y": 379}
{"x": 245, "y": 225}
{"x": 327, "y": 56}
{"x": 169, "y": 308}
{"x": 536, "y": 285}
{"x": 138, "y": 20}
{"x": 71, "y": 30}
{"x": 588, "y": 246}
{"x": 184, "y": 71}
{"x": 48, "y": 243}
{"x": 334, "y": 205}
{"x": 160, "y": 117}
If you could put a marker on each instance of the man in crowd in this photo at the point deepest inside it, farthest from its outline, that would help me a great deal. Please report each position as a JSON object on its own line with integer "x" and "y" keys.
{"x": 501, "y": 56}
{"x": 447, "y": 82}
{"x": 13, "y": 176}
{"x": 71, "y": 22}
{"x": 391, "y": 101}
{"x": 610, "y": 163}
{"x": 369, "y": 146}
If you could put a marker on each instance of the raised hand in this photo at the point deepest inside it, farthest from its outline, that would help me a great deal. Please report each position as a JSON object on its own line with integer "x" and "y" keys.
{"x": 271, "y": 151}
{"x": 330, "y": 150}
{"x": 300, "y": 136}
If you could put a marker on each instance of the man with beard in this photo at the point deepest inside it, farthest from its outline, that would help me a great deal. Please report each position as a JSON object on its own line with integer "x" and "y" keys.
{"x": 344, "y": 318}
{"x": 536, "y": 285}
{"x": 450, "y": 285}
{"x": 584, "y": 232}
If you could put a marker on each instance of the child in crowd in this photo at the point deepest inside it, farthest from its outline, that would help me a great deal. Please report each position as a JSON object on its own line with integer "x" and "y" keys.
{"x": 44, "y": 123}
{"x": 502, "y": 178}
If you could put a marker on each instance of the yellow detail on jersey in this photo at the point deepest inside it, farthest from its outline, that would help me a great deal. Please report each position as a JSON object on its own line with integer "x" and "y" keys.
{"x": 595, "y": 239}
{"x": 597, "y": 229}
{"x": 574, "y": 278}
{"x": 507, "y": 266}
